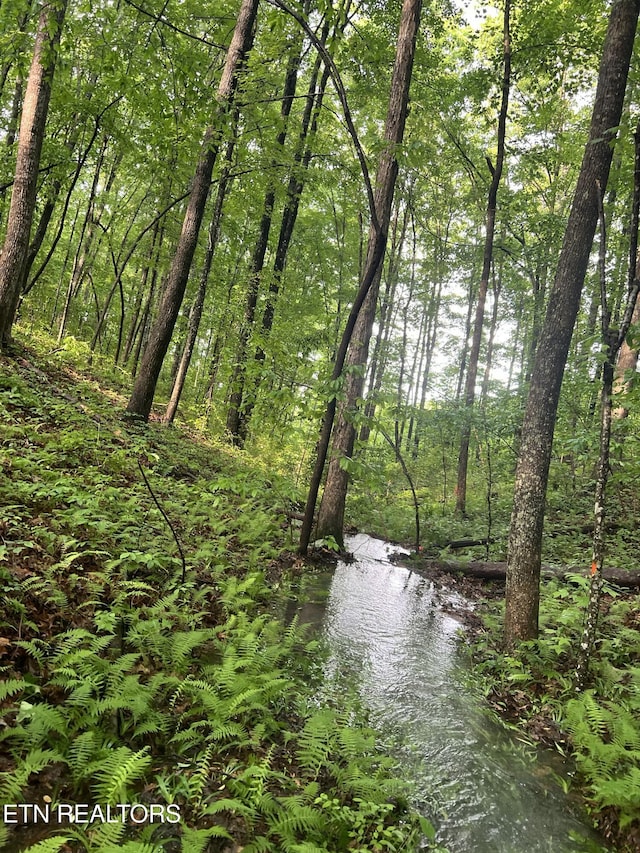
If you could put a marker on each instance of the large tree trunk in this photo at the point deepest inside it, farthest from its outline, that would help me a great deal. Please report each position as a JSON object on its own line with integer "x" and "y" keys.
{"x": 160, "y": 337}
{"x": 360, "y": 332}
{"x": 474, "y": 354}
{"x": 525, "y": 534}
{"x": 32, "y": 127}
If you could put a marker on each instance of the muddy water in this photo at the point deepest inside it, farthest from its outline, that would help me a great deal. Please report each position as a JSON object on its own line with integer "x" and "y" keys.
{"x": 386, "y": 633}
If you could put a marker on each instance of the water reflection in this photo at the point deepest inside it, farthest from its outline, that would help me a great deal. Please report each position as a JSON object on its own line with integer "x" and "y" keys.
{"x": 387, "y": 634}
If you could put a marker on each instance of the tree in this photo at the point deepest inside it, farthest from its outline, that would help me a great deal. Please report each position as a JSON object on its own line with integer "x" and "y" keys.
{"x": 359, "y": 323}
{"x": 32, "y": 126}
{"x": 487, "y": 260}
{"x": 612, "y": 340}
{"x": 525, "y": 533}
{"x": 160, "y": 337}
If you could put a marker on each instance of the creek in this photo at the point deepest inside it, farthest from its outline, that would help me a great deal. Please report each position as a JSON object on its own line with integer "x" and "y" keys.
{"x": 387, "y": 633}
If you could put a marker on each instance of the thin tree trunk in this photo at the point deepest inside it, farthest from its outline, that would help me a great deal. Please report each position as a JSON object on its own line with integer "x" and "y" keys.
{"x": 302, "y": 159}
{"x": 493, "y": 325}
{"x": 474, "y": 354}
{"x": 525, "y": 533}
{"x": 160, "y": 337}
{"x": 196, "y": 311}
{"x": 237, "y": 420}
{"x": 142, "y": 289}
{"x": 628, "y": 356}
{"x": 23, "y": 196}
{"x": 89, "y": 226}
{"x": 430, "y": 340}
{"x": 358, "y": 329}
{"x": 611, "y": 342}
{"x": 378, "y": 358}
{"x": 625, "y": 368}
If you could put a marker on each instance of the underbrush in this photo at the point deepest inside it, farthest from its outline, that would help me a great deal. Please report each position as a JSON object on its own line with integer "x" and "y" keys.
{"x": 140, "y": 664}
{"x": 598, "y": 729}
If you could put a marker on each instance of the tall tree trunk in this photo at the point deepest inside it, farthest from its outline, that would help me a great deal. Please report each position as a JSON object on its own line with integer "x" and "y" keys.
{"x": 358, "y": 329}
{"x": 301, "y": 161}
{"x": 431, "y": 335}
{"x": 378, "y": 361}
{"x": 150, "y": 261}
{"x": 196, "y": 309}
{"x": 612, "y": 340}
{"x": 496, "y": 287}
{"x": 237, "y": 420}
{"x": 527, "y": 518}
{"x": 32, "y": 127}
{"x": 474, "y": 354}
{"x": 89, "y": 227}
{"x": 628, "y": 356}
{"x": 160, "y": 337}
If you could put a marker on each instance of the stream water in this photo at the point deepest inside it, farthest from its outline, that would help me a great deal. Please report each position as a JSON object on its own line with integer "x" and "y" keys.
{"x": 386, "y": 632}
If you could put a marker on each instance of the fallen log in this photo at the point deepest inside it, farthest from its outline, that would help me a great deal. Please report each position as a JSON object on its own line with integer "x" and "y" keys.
{"x": 458, "y": 544}
{"x": 496, "y": 571}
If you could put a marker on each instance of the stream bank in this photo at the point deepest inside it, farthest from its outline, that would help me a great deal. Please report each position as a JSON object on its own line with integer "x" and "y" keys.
{"x": 395, "y": 636}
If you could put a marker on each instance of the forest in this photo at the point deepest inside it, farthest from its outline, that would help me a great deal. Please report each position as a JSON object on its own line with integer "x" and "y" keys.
{"x": 273, "y": 272}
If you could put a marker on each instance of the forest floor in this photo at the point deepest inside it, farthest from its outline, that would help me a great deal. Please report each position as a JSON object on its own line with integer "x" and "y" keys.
{"x": 141, "y": 664}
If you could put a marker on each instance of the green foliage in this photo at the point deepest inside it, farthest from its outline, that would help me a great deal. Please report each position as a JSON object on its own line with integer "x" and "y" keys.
{"x": 124, "y": 684}
{"x": 601, "y": 724}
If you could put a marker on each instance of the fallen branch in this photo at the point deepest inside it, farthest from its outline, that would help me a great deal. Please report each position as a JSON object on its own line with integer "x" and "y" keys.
{"x": 166, "y": 518}
{"x": 496, "y": 571}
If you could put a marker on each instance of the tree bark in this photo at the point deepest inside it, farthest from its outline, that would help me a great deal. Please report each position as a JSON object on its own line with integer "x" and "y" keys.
{"x": 359, "y": 326}
{"x": 160, "y": 336}
{"x": 525, "y": 534}
{"x": 32, "y": 127}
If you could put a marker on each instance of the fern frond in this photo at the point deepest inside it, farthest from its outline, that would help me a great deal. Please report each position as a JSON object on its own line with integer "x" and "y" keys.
{"x": 82, "y": 752}
{"x": 118, "y": 771}
{"x": 44, "y": 720}
{"x": 12, "y": 783}
{"x": 297, "y": 821}
{"x": 196, "y": 840}
{"x": 11, "y": 687}
{"x": 49, "y": 845}
{"x": 183, "y": 643}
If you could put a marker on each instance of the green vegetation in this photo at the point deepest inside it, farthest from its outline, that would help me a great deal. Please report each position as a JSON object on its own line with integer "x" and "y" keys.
{"x": 599, "y": 728}
{"x": 187, "y": 213}
{"x": 125, "y": 682}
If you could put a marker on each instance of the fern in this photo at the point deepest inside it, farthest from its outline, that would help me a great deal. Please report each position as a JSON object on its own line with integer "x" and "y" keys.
{"x": 297, "y": 820}
{"x": 183, "y": 644}
{"x": 12, "y": 783}
{"x": 11, "y": 687}
{"x": 314, "y": 741}
{"x": 119, "y": 769}
{"x": 49, "y": 845}
{"x": 197, "y": 840}
{"x": 43, "y": 721}
{"x": 200, "y": 777}
{"x": 82, "y": 752}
